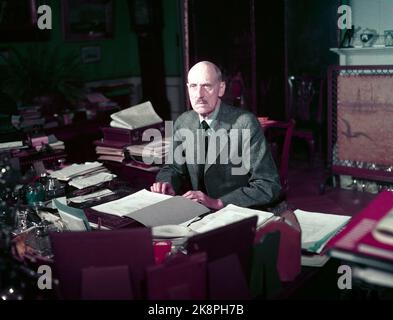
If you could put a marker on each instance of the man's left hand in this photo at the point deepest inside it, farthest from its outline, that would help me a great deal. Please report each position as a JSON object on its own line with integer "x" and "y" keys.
{"x": 199, "y": 196}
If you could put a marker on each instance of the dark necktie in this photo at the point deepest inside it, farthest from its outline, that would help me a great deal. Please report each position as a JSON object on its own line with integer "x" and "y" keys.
{"x": 202, "y": 187}
{"x": 205, "y": 127}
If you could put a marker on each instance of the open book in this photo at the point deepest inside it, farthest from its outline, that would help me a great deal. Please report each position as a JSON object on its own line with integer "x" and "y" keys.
{"x": 318, "y": 228}
{"x": 228, "y": 215}
{"x": 154, "y": 209}
{"x": 138, "y": 116}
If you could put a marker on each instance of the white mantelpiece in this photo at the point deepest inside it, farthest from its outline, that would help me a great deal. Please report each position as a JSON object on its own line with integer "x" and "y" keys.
{"x": 365, "y": 56}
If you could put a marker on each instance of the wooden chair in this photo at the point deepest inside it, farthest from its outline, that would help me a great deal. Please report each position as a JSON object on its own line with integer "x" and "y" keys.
{"x": 279, "y": 135}
{"x": 306, "y": 108}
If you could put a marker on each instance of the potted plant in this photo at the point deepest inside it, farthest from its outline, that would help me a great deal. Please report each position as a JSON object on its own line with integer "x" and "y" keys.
{"x": 44, "y": 76}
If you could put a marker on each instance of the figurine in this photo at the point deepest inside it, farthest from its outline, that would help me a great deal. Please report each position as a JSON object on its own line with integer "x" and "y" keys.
{"x": 348, "y": 36}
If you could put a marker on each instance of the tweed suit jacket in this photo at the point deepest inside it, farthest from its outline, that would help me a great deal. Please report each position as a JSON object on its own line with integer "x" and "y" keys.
{"x": 252, "y": 182}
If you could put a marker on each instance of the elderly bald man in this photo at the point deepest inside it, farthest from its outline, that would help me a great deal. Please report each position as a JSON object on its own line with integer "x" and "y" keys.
{"x": 218, "y": 177}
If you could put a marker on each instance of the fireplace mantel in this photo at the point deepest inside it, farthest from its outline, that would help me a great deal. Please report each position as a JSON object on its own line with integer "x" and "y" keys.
{"x": 365, "y": 56}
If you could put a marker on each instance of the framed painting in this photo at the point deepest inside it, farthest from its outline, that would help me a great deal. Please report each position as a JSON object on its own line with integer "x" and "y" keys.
{"x": 91, "y": 54}
{"x": 87, "y": 19}
{"x": 360, "y": 114}
{"x": 18, "y": 21}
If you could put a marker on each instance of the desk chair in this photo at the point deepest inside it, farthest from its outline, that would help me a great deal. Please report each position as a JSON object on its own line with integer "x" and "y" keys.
{"x": 102, "y": 265}
{"x": 306, "y": 95}
{"x": 274, "y": 131}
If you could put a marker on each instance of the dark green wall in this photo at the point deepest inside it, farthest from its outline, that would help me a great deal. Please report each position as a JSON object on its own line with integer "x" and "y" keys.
{"x": 119, "y": 55}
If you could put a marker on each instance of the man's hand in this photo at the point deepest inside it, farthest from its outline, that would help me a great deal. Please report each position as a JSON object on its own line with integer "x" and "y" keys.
{"x": 163, "y": 187}
{"x": 199, "y": 196}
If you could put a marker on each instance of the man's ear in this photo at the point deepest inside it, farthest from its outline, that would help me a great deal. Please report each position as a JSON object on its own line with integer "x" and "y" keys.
{"x": 222, "y": 89}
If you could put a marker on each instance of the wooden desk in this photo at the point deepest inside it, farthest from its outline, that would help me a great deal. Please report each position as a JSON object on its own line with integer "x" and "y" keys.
{"x": 28, "y": 156}
{"x": 139, "y": 178}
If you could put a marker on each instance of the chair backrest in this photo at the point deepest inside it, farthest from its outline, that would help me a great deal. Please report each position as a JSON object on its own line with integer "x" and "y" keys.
{"x": 275, "y": 130}
{"x": 306, "y": 98}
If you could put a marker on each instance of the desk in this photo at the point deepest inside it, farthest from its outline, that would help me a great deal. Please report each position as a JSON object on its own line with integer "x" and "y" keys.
{"x": 139, "y": 178}
{"x": 28, "y": 156}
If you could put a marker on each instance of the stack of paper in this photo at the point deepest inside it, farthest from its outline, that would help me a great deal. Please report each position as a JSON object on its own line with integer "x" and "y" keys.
{"x": 152, "y": 152}
{"x": 82, "y": 182}
{"x": 51, "y": 140}
{"x": 11, "y": 145}
{"x": 75, "y": 170}
{"x": 135, "y": 117}
{"x": 318, "y": 228}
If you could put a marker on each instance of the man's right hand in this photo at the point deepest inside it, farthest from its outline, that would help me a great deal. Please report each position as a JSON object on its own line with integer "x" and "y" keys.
{"x": 163, "y": 187}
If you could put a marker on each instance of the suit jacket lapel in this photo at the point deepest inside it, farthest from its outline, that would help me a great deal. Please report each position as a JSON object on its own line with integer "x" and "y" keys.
{"x": 221, "y": 123}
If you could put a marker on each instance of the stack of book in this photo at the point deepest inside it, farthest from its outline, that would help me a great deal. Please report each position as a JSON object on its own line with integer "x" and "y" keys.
{"x": 30, "y": 116}
{"x": 41, "y": 141}
{"x": 123, "y": 140}
{"x": 367, "y": 242}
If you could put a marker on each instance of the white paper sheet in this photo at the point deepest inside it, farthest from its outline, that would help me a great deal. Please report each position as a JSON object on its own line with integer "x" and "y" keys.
{"x": 137, "y": 116}
{"x": 75, "y": 169}
{"x": 318, "y": 227}
{"x": 91, "y": 180}
{"x": 131, "y": 203}
{"x": 94, "y": 195}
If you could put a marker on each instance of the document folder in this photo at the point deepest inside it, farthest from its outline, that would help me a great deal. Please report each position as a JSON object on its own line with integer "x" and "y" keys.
{"x": 110, "y": 221}
{"x": 357, "y": 243}
{"x": 174, "y": 210}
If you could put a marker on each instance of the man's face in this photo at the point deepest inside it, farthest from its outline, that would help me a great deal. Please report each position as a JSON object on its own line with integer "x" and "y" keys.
{"x": 204, "y": 89}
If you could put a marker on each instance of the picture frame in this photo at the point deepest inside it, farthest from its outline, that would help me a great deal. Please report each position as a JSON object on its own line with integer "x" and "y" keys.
{"x": 18, "y": 21}
{"x": 90, "y": 54}
{"x": 87, "y": 19}
{"x": 388, "y": 38}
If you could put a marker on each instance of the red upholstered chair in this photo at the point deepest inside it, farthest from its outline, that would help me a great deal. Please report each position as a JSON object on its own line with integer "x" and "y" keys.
{"x": 279, "y": 135}
{"x": 306, "y": 108}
